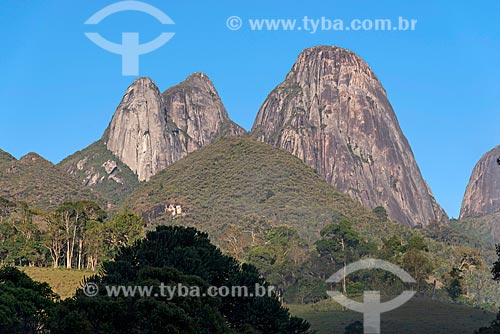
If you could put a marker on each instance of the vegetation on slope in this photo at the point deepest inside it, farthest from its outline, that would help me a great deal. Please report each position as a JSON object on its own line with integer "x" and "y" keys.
{"x": 485, "y": 228}
{"x": 6, "y": 158}
{"x": 262, "y": 205}
{"x": 418, "y": 316}
{"x": 239, "y": 183}
{"x": 39, "y": 182}
{"x": 88, "y": 168}
{"x": 265, "y": 207}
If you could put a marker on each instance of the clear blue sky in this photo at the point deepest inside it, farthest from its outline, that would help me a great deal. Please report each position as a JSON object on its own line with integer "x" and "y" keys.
{"x": 59, "y": 90}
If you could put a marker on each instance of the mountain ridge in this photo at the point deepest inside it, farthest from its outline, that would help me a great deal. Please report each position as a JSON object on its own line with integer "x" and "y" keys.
{"x": 333, "y": 113}
{"x": 35, "y": 180}
{"x": 144, "y": 138}
{"x": 96, "y": 167}
{"x": 237, "y": 185}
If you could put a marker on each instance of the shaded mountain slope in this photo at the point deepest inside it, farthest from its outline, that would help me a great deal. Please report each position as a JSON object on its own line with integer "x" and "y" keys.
{"x": 244, "y": 185}
{"x": 97, "y": 168}
{"x": 39, "y": 182}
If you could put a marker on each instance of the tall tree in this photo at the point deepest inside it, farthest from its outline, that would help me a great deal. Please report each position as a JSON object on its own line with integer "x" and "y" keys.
{"x": 494, "y": 327}
{"x": 25, "y": 305}
{"x": 22, "y": 244}
{"x": 174, "y": 255}
{"x": 87, "y": 211}
{"x": 93, "y": 241}
{"x": 54, "y": 237}
{"x": 418, "y": 265}
{"x": 73, "y": 217}
{"x": 125, "y": 228}
{"x": 67, "y": 214}
{"x": 339, "y": 244}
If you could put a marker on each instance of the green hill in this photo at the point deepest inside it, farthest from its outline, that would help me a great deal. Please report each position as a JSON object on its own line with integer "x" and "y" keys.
{"x": 98, "y": 169}
{"x": 241, "y": 185}
{"x": 38, "y": 182}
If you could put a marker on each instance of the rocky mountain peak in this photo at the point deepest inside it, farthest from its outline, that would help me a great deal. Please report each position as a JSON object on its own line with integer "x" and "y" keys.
{"x": 150, "y": 131}
{"x": 482, "y": 195}
{"x": 333, "y": 113}
{"x": 143, "y": 82}
{"x": 327, "y": 60}
{"x": 197, "y": 109}
{"x": 200, "y": 79}
{"x": 142, "y": 88}
{"x": 32, "y": 157}
{"x": 139, "y": 134}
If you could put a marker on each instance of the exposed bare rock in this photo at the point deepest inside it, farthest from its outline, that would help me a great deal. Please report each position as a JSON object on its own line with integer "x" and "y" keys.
{"x": 139, "y": 134}
{"x": 93, "y": 178}
{"x": 81, "y": 164}
{"x": 150, "y": 131}
{"x": 196, "y": 108}
{"x": 333, "y": 113}
{"x": 110, "y": 166}
{"x": 97, "y": 168}
{"x": 482, "y": 195}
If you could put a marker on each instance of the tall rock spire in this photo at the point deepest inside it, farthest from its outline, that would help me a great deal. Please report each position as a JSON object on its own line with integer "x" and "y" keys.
{"x": 139, "y": 133}
{"x": 333, "y": 113}
{"x": 196, "y": 108}
{"x": 482, "y": 195}
{"x": 150, "y": 131}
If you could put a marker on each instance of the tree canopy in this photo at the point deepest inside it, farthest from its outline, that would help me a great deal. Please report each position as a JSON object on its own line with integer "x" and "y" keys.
{"x": 173, "y": 255}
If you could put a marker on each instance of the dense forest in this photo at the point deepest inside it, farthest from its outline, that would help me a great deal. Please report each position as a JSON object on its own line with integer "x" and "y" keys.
{"x": 81, "y": 235}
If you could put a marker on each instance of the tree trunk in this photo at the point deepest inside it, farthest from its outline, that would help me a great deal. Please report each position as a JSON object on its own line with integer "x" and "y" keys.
{"x": 68, "y": 254}
{"x": 433, "y": 289}
{"x": 68, "y": 241}
{"x": 56, "y": 262}
{"x": 80, "y": 251}
{"x": 73, "y": 241}
{"x": 344, "y": 287}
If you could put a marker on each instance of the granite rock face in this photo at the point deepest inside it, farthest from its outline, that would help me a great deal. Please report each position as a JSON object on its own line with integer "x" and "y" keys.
{"x": 333, "y": 113}
{"x": 95, "y": 167}
{"x": 150, "y": 131}
{"x": 482, "y": 195}
{"x": 140, "y": 135}
{"x": 197, "y": 110}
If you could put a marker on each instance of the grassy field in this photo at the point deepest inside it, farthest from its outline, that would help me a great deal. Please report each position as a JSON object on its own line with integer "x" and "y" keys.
{"x": 64, "y": 282}
{"x": 419, "y": 315}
